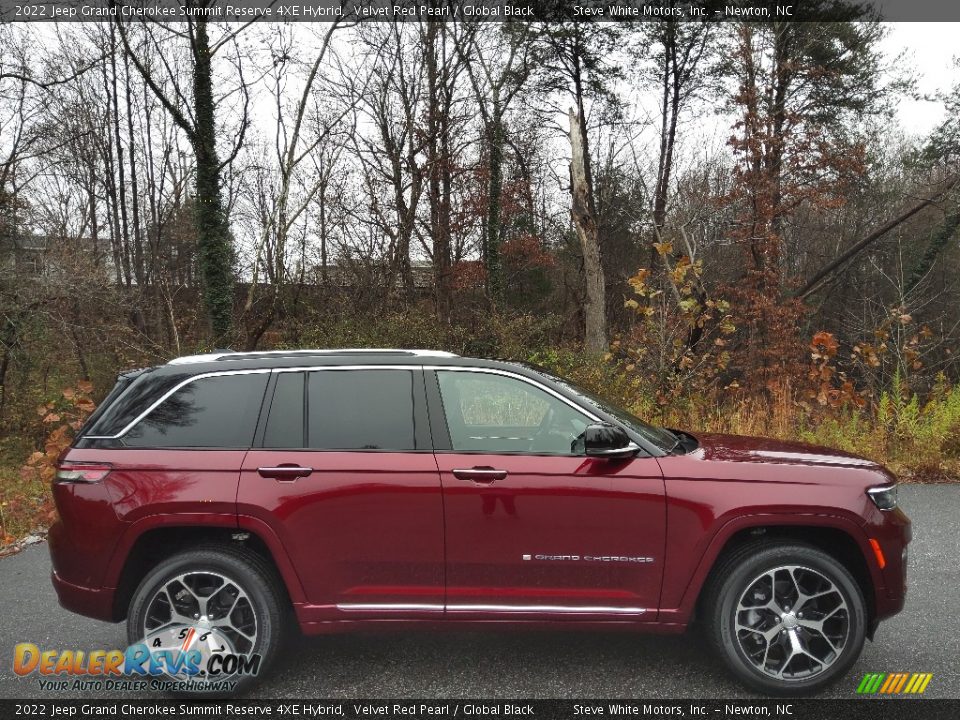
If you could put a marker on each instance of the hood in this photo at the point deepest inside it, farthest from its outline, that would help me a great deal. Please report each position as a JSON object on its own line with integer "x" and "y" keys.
{"x": 736, "y": 448}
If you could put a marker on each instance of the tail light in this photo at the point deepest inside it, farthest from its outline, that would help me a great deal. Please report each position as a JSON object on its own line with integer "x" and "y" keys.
{"x": 81, "y": 472}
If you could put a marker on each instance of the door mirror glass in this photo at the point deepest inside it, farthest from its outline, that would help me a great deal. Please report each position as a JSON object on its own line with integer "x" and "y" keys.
{"x": 609, "y": 441}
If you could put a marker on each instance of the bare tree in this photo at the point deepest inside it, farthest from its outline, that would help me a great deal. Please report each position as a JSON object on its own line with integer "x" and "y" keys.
{"x": 197, "y": 117}
{"x": 499, "y": 64}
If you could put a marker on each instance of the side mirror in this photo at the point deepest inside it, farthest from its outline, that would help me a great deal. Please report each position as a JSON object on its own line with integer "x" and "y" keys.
{"x": 608, "y": 441}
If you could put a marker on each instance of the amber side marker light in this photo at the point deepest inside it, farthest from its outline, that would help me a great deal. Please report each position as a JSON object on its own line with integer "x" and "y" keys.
{"x": 878, "y": 551}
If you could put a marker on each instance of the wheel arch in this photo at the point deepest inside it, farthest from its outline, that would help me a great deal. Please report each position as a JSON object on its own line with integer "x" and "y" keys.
{"x": 155, "y": 544}
{"x": 836, "y": 536}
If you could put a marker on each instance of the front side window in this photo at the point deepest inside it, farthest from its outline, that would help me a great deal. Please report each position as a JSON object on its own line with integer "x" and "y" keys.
{"x": 494, "y": 413}
{"x": 658, "y": 436}
{"x": 360, "y": 410}
{"x": 212, "y": 412}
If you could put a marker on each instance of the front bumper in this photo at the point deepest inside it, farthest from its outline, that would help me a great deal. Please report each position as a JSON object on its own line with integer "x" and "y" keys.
{"x": 893, "y": 532}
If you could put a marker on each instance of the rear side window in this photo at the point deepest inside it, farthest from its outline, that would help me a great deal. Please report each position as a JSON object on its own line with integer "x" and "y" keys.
{"x": 214, "y": 412}
{"x": 360, "y": 410}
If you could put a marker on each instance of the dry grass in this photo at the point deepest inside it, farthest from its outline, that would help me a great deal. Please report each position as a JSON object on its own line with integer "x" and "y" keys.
{"x": 25, "y": 501}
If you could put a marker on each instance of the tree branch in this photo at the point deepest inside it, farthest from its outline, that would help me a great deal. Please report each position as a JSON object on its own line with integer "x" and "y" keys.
{"x": 832, "y": 266}
{"x": 177, "y": 116}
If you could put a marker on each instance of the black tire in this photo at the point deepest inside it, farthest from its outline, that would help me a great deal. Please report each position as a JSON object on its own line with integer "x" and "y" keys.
{"x": 745, "y": 569}
{"x": 248, "y": 571}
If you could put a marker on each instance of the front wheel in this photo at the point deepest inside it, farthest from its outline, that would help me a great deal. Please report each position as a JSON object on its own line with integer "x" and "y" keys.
{"x": 210, "y": 619}
{"x": 786, "y": 619}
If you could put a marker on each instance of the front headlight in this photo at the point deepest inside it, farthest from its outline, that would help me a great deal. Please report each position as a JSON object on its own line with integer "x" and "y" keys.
{"x": 884, "y": 497}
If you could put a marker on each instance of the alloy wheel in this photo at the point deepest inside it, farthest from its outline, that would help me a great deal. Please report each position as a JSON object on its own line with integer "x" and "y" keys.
{"x": 792, "y": 623}
{"x": 204, "y": 611}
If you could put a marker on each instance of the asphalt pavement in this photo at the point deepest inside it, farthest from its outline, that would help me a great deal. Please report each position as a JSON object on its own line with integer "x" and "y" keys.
{"x": 499, "y": 664}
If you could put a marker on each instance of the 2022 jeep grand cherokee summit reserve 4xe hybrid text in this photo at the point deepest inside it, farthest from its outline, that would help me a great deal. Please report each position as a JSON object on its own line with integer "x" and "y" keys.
{"x": 213, "y": 498}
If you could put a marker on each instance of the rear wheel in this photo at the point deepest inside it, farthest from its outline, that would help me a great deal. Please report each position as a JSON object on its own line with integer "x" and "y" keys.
{"x": 786, "y": 619}
{"x": 217, "y": 606}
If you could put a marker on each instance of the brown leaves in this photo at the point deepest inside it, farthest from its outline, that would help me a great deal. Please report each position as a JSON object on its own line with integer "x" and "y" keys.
{"x": 663, "y": 248}
{"x": 639, "y": 282}
{"x": 678, "y": 335}
{"x": 64, "y": 417}
{"x": 830, "y": 386}
{"x": 823, "y": 345}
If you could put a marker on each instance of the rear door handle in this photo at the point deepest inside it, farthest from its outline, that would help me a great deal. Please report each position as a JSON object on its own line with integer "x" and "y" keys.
{"x": 285, "y": 472}
{"x": 483, "y": 474}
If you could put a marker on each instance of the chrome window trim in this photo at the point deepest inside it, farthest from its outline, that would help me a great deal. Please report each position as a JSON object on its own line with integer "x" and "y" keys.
{"x": 522, "y": 378}
{"x": 171, "y": 391}
{"x": 318, "y": 368}
{"x": 453, "y": 368}
{"x": 329, "y": 368}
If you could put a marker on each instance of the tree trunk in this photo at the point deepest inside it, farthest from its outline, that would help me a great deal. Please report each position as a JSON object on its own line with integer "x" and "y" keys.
{"x": 213, "y": 241}
{"x": 139, "y": 270}
{"x": 121, "y": 179}
{"x": 585, "y": 222}
{"x": 668, "y": 125}
{"x": 495, "y": 132}
{"x": 438, "y": 169}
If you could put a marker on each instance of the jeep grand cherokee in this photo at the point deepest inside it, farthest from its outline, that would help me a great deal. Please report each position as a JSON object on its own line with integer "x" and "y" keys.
{"x": 210, "y": 500}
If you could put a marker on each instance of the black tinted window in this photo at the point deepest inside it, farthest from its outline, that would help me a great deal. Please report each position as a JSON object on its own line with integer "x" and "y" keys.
{"x": 361, "y": 410}
{"x": 210, "y": 412}
{"x": 285, "y": 424}
{"x": 145, "y": 389}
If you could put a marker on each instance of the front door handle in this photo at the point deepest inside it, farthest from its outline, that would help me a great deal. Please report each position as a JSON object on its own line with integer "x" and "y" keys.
{"x": 287, "y": 471}
{"x": 482, "y": 474}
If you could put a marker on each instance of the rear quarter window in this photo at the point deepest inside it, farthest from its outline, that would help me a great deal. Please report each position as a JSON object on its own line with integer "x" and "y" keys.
{"x": 114, "y": 415}
{"x": 212, "y": 412}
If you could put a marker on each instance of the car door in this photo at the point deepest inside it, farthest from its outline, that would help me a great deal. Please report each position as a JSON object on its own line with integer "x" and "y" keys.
{"x": 344, "y": 474}
{"x": 533, "y": 526}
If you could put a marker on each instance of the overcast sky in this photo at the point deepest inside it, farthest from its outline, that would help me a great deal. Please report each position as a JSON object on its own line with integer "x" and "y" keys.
{"x": 930, "y": 48}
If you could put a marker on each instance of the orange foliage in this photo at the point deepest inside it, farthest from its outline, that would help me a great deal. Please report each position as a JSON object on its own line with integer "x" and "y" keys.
{"x": 525, "y": 252}
{"x": 829, "y": 386}
{"x": 468, "y": 274}
{"x": 64, "y": 417}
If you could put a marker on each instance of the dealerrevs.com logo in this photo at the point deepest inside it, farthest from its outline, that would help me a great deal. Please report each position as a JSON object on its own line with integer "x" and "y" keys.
{"x": 139, "y": 667}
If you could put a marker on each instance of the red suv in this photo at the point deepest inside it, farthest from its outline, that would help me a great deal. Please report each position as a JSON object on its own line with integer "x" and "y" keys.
{"x": 213, "y": 498}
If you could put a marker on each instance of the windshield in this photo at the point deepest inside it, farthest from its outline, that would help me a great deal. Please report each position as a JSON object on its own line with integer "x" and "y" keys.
{"x": 661, "y": 437}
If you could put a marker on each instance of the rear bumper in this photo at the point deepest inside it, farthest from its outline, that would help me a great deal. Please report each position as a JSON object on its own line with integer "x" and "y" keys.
{"x": 81, "y": 543}
{"x": 95, "y": 603}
